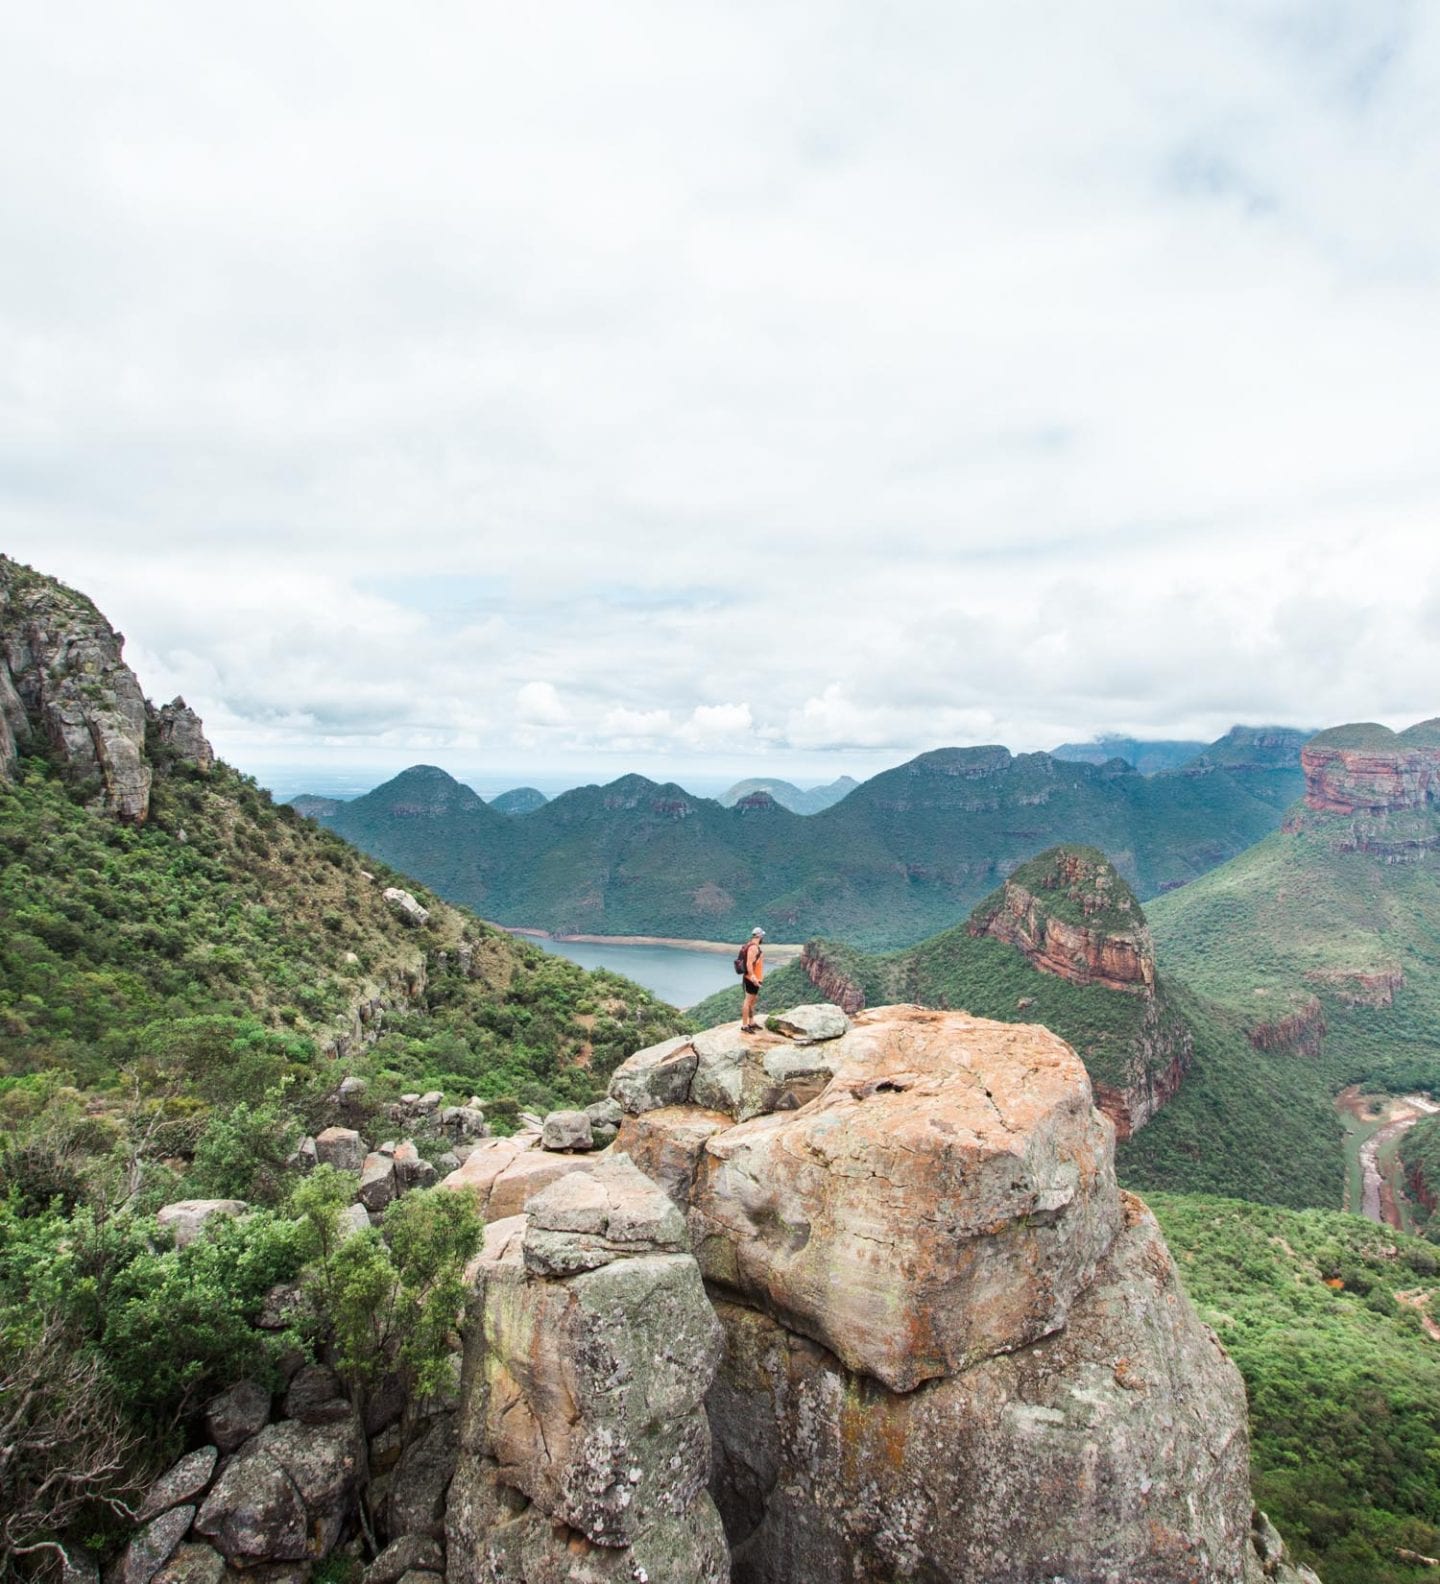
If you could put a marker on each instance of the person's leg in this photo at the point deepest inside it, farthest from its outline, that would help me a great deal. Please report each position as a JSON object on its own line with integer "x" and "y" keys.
{"x": 747, "y": 1008}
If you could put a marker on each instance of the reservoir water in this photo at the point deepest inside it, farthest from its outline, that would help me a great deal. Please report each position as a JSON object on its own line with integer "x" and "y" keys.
{"x": 677, "y": 974}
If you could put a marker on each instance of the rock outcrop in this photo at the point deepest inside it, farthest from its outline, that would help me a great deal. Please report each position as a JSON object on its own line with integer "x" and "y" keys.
{"x": 590, "y": 1345}
{"x": 1113, "y": 1449}
{"x": 1369, "y": 769}
{"x": 1072, "y": 915}
{"x": 65, "y": 690}
{"x": 953, "y": 1351}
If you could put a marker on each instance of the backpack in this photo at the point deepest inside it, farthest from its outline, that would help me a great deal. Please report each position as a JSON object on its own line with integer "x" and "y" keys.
{"x": 740, "y": 963}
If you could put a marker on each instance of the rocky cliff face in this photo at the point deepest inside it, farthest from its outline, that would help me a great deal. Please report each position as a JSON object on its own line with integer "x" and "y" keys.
{"x": 1369, "y": 769}
{"x": 1073, "y": 916}
{"x": 65, "y": 688}
{"x": 951, "y": 1349}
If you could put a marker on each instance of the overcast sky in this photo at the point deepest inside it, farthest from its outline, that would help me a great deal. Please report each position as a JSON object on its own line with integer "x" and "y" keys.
{"x": 790, "y": 387}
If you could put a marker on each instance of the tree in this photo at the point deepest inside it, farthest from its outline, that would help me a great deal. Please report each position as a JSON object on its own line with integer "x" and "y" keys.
{"x": 389, "y": 1304}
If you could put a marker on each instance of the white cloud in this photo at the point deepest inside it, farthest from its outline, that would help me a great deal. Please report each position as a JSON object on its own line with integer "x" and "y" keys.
{"x": 538, "y": 704}
{"x": 545, "y": 380}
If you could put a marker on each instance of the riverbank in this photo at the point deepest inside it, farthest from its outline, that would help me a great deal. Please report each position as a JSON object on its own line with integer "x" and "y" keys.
{"x": 1374, "y": 1125}
{"x": 776, "y": 953}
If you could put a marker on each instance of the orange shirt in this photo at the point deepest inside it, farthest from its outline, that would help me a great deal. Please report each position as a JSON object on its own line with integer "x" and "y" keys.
{"x": 754, "y": 962}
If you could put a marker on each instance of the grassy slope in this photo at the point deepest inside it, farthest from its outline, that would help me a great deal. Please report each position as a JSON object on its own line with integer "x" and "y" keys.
{"x": 227, "y": 907}
{"x": 1344, "y": 1385}
{"x": 1249, "y": 933}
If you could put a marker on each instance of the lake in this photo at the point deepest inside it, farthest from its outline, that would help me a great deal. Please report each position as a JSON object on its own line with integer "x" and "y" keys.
{"x": 677, "y": 974}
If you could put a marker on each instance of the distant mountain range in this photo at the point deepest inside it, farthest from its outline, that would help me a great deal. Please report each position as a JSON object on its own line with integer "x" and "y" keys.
{"x": 905, "y": 854}
{"x": 799, "y": 800}
{"x": 1242, "y": 744}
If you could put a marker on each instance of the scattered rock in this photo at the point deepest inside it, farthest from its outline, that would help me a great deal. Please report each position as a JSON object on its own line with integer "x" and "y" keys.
{"x": 315, "y": 1396}
{"x": 153, "y": 1547}
{"x": 353, "y": 1218}
{"x": 567, "y": 1130}
{"x": 351, "y": 1092}
{"x": 416, "y": 1502}
{"x": 180, "y": 1483}
{"x": 405, "y": 907}
{"x": 186, "y": 1217}
{"x": 412, "y": 1552}
{"x": 340, "y": 1147}
{"x": 193, "y": 1564}
{"x": 237, "y": 1414}
{"x": 378, "y": 1184}
{"x": 285, "y": 1495}
{"x": 824, "y": 1021}
{"x": 657, "y": 1076}
{"x": 584, "y": 1221}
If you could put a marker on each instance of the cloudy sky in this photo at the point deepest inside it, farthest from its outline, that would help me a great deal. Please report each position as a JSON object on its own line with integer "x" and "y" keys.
{"x": 771, "y": 386}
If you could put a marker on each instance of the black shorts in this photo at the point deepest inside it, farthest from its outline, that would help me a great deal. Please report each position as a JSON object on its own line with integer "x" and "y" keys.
{"x": 752, "y": 986}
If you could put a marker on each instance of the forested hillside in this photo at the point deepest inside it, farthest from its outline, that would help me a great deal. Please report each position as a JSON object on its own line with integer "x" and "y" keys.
{"x": 905, "y": 854}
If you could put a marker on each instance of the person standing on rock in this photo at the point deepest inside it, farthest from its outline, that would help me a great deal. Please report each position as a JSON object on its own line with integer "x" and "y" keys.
{"x": 754, "y": 973}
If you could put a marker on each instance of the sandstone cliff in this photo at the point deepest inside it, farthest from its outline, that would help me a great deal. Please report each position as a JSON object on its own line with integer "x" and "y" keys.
{"x": 66, "y": 690}
{"x": 948, "y": 1348}
{"x": 1072, "y": 915}
{"x": 1368, "y": 768}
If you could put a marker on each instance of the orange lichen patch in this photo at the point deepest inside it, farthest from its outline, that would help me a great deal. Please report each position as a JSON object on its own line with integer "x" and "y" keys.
{"x": 1335, "y": 1284}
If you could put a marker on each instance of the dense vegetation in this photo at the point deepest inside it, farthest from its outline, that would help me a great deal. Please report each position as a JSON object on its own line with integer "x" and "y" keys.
{"x": 230, "y": 933}
{"x": 903, "y": 855}
{"x": 1327, "y": 1317}
{"x": 1308, "y": 917}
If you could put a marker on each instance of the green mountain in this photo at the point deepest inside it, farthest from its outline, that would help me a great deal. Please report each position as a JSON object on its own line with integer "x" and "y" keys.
{"x": 907, "y": 853}
{"x": 1324, "y": 938}
{"x": 1332, "y": 1321}
{"x": 519, "y": 800}
{"x": 799, "y": 800}
{"x": 1143, "y": 754}
{"x": 1065, "y": 943}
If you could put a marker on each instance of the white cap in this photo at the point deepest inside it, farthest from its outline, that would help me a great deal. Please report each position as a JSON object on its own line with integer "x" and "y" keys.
{"x": 758, "y": 931}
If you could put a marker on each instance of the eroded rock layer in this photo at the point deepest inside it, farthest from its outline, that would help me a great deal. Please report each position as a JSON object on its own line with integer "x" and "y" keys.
{"x": 1112, "y": 1450}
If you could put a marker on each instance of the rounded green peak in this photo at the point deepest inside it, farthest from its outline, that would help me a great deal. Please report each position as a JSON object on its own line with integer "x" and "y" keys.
{"x": 1423, "y": 734}
{"x": 1359, "y": 734}
{"x": 1075, "y": 883}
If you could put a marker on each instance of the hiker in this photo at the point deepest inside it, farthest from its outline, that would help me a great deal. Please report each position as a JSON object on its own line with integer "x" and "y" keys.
{"x": 754, "y": 971}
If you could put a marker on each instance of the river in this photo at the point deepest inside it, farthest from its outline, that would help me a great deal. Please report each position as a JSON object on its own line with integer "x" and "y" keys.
{"x": 677, "y": 974}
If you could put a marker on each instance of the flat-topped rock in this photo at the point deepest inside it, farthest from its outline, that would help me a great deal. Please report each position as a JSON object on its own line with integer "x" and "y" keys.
{"x": 588, "y": 1219}
{"x": 945, "y": 1198}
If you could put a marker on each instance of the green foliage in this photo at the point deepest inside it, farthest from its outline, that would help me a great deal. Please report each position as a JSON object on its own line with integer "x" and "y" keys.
{"x": 389, "y": 1302}
{"x": 170, "y": 1326}
{"x": 243, "y": 1153}
{"x": 1344, "y": 1384}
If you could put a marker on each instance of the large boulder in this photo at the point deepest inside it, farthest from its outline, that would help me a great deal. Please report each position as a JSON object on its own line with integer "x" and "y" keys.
{"x": 1112, "y": 1450}
{"x": 286, "y": 1494}
{"x": 182, "y": 731}
{"x": 236, "y": 1414}
{"x": 182, "y": 1482}
{"x": 584, "y": 1443}
{"x": 567, "y": 1130}
{"x": 153, "y": 1547}
{"x": 947, "y": 1197}
{"x": 405, "y": 907}
{"x": 340, "y": 1147}
{"x": 186, "y": 1218}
